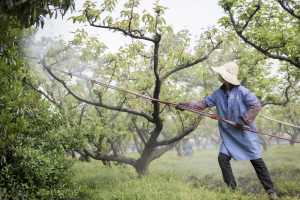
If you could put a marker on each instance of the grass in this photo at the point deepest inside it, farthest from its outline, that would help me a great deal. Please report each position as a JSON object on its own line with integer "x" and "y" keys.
{"x": 188, "y": 178}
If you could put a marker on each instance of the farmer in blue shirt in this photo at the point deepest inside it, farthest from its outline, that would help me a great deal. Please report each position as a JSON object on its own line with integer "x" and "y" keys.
{"x": 236, "y": 103}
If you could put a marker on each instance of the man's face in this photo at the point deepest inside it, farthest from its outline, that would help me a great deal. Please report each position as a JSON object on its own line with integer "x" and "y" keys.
{"x": 221, "y": 79}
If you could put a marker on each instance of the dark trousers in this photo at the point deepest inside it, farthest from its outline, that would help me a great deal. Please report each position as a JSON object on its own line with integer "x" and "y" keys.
{"x": 259, "y": 166}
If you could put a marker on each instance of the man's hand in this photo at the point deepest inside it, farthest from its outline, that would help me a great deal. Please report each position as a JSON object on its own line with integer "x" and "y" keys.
{"x": 241, "y": 124}
{"x": 182, "y": 106}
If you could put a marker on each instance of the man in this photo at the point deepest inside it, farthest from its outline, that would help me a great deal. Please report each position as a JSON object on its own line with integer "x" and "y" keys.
{"x": 236, "y": 103}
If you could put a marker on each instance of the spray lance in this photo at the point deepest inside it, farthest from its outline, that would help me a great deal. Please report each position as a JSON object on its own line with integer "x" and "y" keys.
{"x": 197, "y": 111}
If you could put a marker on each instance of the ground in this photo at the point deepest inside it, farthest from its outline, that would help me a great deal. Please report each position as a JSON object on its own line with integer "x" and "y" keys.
{"x": 196, "y": 177}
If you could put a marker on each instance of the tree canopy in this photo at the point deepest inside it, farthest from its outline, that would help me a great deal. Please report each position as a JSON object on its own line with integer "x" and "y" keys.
{"x": 271, "y": 27}
{"x": 28, "y": 12}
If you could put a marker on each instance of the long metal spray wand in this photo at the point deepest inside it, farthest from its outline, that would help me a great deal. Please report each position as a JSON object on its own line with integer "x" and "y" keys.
{"x": 197, "y": 111}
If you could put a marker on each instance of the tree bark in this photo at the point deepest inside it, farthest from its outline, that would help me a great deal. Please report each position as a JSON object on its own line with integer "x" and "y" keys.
{"x": 294, "y": 137}
{"x": 142, "y": 164}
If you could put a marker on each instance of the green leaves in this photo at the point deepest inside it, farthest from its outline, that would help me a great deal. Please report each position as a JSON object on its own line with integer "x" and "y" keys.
{"x": 109, "y": 5}
{"x": 30, "y": 13}
{"x": 266, "y": 26}
{"x": 31, "y": 165}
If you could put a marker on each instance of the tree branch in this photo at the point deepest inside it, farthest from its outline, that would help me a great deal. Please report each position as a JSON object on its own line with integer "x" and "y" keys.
{"x": 139, "y": 147}
{"x": 159, "y": 152}
{"x": 156, "y": 93}
{"x": 184, "y": 133}
{"x": 136, "y": 34}
{"x": 51, "y": 99}
{"x": 116, "y": 108}
{"x": 113, "y": 146}
{"x": 115, "y": 158}
{"x": 131, "y": 17}
{"x": 286, "y": 94}
{"x": 285, "y": 5}
{"x": 191, "y": 63}
{"x": 251, "y": 17}
{"x": 139, "y": 132}
{"x": 264, "y": 51}
{"x": 83, "y": 109}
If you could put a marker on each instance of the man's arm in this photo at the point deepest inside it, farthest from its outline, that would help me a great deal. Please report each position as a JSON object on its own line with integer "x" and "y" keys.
{"x": 254, "y": 106}
{"x": 208, "y": 101}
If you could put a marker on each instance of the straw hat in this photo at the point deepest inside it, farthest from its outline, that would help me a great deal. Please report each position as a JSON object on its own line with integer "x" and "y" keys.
{"x": 229, "y": 72}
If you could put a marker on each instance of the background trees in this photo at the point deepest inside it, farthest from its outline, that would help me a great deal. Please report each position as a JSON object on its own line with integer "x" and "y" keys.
{"x": 42, "y": 124}
{"x": 271, "y": 27}
{"x": 157, "y": 63}
{"x": 146, "y": 65}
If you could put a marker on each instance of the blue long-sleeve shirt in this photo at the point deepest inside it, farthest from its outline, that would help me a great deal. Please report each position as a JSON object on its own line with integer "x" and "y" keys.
{"x": 236, "y": 104}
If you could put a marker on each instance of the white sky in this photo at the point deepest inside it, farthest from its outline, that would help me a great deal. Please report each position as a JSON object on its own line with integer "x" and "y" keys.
{"x": 194, "y": 15}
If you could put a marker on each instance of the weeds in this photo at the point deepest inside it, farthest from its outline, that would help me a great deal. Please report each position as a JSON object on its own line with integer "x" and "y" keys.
{"x": 174, "y": 178}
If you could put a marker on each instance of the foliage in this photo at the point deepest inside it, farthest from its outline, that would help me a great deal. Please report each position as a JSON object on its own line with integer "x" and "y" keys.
{"x": 157, "y": 63}
{"x": 31, "y": 166}
{"x": 29, "y": 12}
{"x": 145, "y": 65}
{"x": 271, "y": 27}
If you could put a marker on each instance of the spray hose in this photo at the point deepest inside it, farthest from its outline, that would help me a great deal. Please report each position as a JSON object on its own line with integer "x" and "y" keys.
{"x": 197, "y": 111}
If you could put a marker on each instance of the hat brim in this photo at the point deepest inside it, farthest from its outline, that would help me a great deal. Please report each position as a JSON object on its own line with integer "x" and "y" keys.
{"x": 226, "y": 76}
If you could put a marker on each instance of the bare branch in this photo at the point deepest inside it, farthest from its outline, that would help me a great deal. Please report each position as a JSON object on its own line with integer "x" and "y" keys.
{"x": 159, "y": 152}
{"x": 138, "y": 145}
{"x": 184, "y": 133}
{"x": 136, "y": 34}
{"x": 117, "y": 108}
{"x": 51, "y": 99}
{"x": 191, "y": 63}
{"x": 113, "y": 146}
{"x": 115, "y": 158}
{"x": 139, "y": 131}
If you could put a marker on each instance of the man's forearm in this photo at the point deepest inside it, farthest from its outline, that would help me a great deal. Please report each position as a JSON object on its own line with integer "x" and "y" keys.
{"x": 251, "y": 114}
{"x": 198, "y": 105}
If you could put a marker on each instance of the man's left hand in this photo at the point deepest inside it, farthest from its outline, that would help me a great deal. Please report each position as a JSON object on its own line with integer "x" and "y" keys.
{"x": 240, "y": 124}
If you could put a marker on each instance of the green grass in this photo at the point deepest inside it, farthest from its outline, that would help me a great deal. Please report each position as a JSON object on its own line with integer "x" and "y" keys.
{"x": 189, "y": 178}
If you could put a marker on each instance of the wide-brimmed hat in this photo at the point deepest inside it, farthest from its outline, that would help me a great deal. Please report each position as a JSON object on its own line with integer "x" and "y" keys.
{"x": 229, "y": 72}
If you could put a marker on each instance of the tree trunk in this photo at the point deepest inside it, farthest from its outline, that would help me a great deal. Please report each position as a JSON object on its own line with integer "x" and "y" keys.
{"x": 142, "y": 167}
{"x": 142, "y": 164}
{"x": 294, "y": 137}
